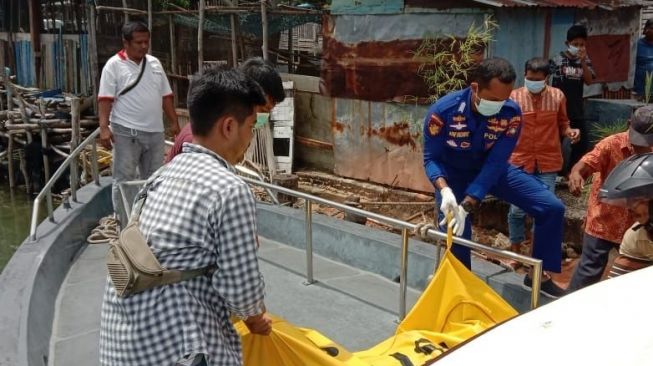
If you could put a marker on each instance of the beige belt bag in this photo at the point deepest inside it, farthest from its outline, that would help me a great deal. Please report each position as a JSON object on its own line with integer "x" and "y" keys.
{"x": 132, "y": 266}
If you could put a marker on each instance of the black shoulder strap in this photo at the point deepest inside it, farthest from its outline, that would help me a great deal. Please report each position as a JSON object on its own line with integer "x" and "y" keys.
{"x": 138, "y": 79}
{"x": 402, "y": 358}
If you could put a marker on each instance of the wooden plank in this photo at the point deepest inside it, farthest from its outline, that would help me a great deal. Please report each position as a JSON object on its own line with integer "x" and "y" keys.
{"x": 200, "y": 40}
{"x": 173, "y": 57}
{"x": 149, "y": 22}
{"x": 264, "y": 24}
{"x": 92, "y": 52}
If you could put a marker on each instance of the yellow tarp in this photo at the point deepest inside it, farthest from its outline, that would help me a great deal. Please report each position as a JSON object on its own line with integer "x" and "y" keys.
{"x": 455, "y": 306}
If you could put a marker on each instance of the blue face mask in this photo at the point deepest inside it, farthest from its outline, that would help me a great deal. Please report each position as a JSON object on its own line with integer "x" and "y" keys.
{"x": 573, "y": 50}
{"x": 534, "y": 86}
{"x": 489, "y": 107}
{"x": 261, "y": 119}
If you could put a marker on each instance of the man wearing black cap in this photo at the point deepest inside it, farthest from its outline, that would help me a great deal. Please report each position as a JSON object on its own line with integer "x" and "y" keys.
{"x": 606, "y": 224}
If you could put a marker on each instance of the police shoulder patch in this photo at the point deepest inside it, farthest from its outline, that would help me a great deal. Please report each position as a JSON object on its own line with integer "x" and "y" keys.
{"x": 435, "y": 124}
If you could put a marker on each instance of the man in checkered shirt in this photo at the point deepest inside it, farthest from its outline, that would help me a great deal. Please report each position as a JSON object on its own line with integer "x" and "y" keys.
{"x": 198, "y": 213}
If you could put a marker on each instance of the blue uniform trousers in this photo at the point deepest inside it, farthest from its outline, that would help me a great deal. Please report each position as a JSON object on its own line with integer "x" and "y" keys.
{"x": 526, "y": 192}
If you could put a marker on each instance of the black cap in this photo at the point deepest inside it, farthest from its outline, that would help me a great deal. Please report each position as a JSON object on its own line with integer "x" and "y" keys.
{"x": 641, "y": 127}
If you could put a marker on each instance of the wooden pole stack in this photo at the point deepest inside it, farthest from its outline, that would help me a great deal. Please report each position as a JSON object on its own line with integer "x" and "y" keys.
{"x": 28, "y": 115}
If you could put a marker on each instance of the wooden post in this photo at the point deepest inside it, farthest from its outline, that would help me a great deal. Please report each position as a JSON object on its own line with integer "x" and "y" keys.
{"x": 173, "y": 57}
{"x": 234, "y": 45}
{"x": 241, "y": 43}
{"x": 23, "y": 169}
{"x": 149, "y": 22}
{"x": 35, "y": 32}
{"x": 92, "y": 53}
{"x": 10, "y": 97}
{"x": 10, "y": 160}
{"x": 44, "y": 145}
{"x": 264, "y": 24}
{"x": 74, "y": 142}
{"x": 290, "y": 51}
{"x": 200, "y": 40}
{"x": 126, "y": 14}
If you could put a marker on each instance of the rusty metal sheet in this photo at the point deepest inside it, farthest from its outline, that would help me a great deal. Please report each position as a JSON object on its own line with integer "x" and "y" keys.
{"x": 587, "y": 4}
{"x": 372, "y": 70}
{"x": 380, "y": 142}
{"x": 375, "y": 60}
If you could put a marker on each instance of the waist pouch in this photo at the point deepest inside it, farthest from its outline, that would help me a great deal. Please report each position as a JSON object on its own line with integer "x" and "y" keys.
{"x": 132, "y": 266}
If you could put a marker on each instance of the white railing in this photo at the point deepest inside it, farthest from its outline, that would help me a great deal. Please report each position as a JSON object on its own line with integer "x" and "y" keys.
{"x": 74, "y": 180}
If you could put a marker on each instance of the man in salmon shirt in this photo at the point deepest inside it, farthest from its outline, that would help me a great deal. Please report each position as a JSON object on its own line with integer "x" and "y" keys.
{"x": 538, "y": 151}
{"x": 606, "y": 224}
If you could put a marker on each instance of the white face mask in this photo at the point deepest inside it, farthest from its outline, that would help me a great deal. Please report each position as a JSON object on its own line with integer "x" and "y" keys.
{"x": 534, "y": 86}
{"x": 489, "y": 107}
{"x": 573, "y": 50}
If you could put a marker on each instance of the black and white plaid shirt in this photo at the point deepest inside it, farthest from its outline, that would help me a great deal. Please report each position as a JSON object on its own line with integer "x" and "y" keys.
{"x": 198, "y": 212}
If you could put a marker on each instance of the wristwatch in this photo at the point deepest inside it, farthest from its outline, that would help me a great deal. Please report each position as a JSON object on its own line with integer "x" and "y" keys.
{"x": 468, "y": 206}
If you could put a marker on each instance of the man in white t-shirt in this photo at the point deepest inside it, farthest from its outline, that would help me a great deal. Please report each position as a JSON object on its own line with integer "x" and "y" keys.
{"x": 134, "y": 93}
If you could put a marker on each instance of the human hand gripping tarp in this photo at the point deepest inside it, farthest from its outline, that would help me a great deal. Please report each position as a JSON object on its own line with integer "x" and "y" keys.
{"x": 455, "y": 306}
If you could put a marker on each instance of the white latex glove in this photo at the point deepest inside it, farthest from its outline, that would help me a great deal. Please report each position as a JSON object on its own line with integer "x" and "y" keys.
{"x": 457, "y": 221}
{"x": 449, "y": 203}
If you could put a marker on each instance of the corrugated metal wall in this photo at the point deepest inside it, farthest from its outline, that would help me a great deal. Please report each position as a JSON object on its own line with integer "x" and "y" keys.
{"x": 520, "y": 37}
{"x": 368, "y": 57}
{"x": 64, "y": 58}
{"x": 380, "y": 142}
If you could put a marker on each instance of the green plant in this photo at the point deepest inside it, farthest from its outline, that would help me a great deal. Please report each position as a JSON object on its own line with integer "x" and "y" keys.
{"x": 604, "y": 130}
{"x": 648, "y": 85}
{"x": 448, "y": 60}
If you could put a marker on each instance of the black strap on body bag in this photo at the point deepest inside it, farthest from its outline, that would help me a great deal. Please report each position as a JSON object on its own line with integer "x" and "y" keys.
{"x": 131, "y": 86}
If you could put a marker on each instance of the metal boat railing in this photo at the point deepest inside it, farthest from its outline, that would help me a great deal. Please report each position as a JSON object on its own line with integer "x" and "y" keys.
{"x": 74, "y": 180}
{"x": 405, "y": 227}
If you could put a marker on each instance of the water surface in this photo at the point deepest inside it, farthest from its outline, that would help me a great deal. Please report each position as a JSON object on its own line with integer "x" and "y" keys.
{"x": 15, "y": 213}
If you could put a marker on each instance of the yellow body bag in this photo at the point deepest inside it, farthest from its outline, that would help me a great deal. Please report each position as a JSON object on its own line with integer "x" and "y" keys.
{"x": 454, "y": 307}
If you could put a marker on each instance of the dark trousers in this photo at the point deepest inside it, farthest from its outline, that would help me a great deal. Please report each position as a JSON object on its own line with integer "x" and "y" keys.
{"x": 571, "y": 153}
{"x": 592, "y": 262}
{"x": 526, "y": 192}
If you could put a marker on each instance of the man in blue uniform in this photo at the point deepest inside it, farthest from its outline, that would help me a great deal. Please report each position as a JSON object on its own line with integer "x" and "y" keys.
{"x": 469, "y": 136}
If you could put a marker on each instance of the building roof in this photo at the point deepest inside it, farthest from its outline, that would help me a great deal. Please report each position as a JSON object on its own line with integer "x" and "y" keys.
{"x": 589, "y": 4}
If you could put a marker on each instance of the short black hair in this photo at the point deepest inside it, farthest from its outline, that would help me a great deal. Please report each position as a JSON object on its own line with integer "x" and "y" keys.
{"x": 648, "y": 24}
{"x": 128, "y": 29}
{"x": 221, "y": 92}
{"x": 538, "y": 64}
{"x": 266, "y": 76}
{"x": 576, "y": 31}
{"x": 491, "y": 68}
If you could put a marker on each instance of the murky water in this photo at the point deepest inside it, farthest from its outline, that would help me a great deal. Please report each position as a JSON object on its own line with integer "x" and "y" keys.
{"x": 15, "y": 214}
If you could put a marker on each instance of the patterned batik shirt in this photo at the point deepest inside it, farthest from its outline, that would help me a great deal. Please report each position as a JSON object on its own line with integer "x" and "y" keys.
{"x": 606, "y": 221}
{"x": 198, "y": 213}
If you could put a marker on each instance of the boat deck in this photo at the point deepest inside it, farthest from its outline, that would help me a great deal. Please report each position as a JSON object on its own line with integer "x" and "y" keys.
{"x": 355, "y": 308}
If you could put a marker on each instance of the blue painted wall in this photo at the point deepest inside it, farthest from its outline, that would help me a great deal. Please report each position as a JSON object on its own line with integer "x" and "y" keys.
{"x": 365, "y": 7}
{"x": 561, "y": 20}
{"x": 24, "y": 63}
{"x": 520, "y": 37}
